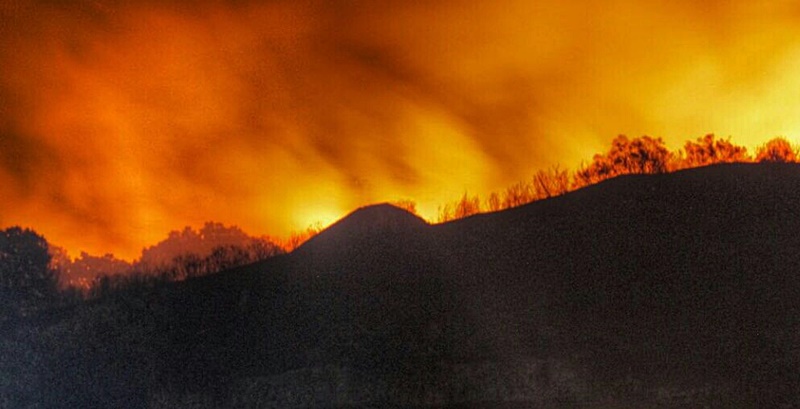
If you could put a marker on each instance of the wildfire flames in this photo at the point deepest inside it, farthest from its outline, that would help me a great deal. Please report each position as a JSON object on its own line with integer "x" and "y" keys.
{"x": 121, "y": 121}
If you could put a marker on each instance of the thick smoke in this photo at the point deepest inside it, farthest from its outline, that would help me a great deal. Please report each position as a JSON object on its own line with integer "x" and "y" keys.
{"x": 120, "y": 121}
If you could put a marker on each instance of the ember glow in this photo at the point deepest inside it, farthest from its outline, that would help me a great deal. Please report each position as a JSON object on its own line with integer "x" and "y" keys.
{"x": 121, "y": 121}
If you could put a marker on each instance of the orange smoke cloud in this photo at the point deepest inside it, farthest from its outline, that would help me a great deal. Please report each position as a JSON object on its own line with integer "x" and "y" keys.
{"x": 120, "y": 122}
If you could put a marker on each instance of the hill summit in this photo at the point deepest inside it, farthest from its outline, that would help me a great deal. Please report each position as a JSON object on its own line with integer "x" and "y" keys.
{"x": 379, "y": 229}
{"x": 375, "y": 219}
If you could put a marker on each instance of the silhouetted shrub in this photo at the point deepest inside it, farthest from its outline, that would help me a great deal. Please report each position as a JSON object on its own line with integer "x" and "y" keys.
{"x": 626, "y": 156}
{"x": 708, "y": 150}
{"x": 777, "y": 150}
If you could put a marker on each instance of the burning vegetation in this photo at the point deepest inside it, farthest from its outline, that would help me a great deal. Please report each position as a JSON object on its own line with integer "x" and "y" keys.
{"x": 642, "y": 155}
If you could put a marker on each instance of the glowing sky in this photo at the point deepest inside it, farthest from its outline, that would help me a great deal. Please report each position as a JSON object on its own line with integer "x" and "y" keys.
{"x": 123, "y": 120}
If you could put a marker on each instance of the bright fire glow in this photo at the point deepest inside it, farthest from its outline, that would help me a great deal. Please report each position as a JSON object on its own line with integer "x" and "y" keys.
{"x": 121, "y": 121}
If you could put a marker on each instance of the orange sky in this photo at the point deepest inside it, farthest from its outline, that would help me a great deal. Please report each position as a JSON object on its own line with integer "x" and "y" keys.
{"x": 121, "y": 121}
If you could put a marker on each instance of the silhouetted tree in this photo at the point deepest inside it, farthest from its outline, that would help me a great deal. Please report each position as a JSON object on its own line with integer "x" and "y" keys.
{"x": 777, "y": 150}
{"x": 626, "y": 156}
{"x": 708, "y": 150}
{"x": 27, "y": 282}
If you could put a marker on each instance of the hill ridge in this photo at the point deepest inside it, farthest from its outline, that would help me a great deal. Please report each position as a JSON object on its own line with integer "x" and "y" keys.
{"x": 673, "y": 290}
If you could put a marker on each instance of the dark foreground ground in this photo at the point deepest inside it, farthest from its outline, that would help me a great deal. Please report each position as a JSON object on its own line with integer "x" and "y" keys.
{"x": 667, "y": 291}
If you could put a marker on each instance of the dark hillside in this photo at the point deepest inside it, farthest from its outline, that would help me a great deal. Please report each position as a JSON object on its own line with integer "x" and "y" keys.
{"x": 671, "y": 278}
{"x": 669, "y": 291}
{"x": 663, "y": 281}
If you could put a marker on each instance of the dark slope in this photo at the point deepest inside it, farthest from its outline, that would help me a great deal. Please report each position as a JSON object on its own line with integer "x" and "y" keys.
{"x": 645, "y": 286}
{"x": 688, "y": 277}
{"x": 359, "y": 286}
{"x": 676, "y": 290}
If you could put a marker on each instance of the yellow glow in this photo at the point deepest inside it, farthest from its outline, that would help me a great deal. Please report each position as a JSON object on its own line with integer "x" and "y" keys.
{"x": 121, "y": 121}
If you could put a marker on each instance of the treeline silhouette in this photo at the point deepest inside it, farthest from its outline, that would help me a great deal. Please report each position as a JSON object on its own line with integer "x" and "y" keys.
{"x": 214, "y": 247}
{"x": 641, "y": 155}
{"x": 183, "y": 254}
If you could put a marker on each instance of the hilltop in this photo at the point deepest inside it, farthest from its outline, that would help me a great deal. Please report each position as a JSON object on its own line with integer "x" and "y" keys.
{"x": 371, "y": 234}
{"x": 671, "y": 290}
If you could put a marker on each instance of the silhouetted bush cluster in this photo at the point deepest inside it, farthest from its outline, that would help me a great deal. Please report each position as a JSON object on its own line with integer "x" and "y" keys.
{"x": 642, "y": 155}
{"x": 626, "y": 156}
{"x": 709, "y": 150}
{"x": 183, "y": 254}
{"x": 140, "y": 277}
{"x": 221, "y": 258}
{"x": 777, "y": 150}
{"x": 228, "y": 242}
